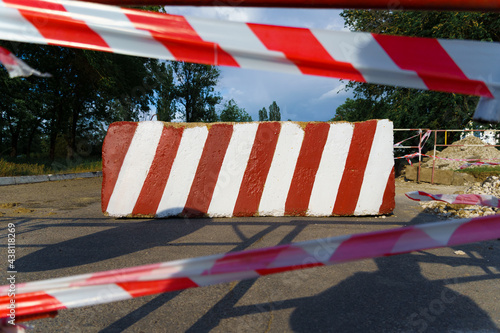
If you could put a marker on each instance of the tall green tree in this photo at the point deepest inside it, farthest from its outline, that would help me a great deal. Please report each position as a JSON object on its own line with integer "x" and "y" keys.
{"x": 412, "y": 107}
{"x": 194, "y": 90}
{"x": 274, "y": 112}
{"x": 232, "y": 112}
{"x": 166, "y": 101}
{"x": 87, "y": 90}
{"x": 263, "y": 115}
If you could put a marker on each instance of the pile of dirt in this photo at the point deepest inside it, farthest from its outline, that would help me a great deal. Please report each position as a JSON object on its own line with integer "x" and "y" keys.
{"x": 490, "y": 186}
{"x": 483, "y": 154}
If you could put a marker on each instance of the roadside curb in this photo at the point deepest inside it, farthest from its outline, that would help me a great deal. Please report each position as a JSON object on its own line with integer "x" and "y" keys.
{"x": 46, "y": 178}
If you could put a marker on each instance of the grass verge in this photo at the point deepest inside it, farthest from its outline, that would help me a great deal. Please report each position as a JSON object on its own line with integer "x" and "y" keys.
{"x": 482, "y": 172}
{"x": 10, "y": 169}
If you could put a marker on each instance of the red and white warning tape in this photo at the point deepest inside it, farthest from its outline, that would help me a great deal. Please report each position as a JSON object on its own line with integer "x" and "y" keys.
{"x": 409, "y": 156}
{"x": 16, "y": 67}
{"x": 467, "y": 165}
{"x": 467, "y": 67}
{"x": 457, "y": 199}
{"x": 103, "y": 287}
{"x": 462, "y": 5}
{"x": 423, "y": 139}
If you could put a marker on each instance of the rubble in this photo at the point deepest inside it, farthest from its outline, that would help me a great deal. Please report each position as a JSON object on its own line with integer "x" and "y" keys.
{"x": 490, "y": 186}
{"x": 484, "y": 154}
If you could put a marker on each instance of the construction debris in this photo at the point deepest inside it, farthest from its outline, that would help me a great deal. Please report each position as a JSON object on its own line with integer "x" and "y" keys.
{"x": 490, "y": 186}
{"x": 462, "y": 150}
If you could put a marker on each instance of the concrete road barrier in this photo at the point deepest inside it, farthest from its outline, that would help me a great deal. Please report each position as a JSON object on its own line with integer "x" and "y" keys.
{"x": 161, "y": 169}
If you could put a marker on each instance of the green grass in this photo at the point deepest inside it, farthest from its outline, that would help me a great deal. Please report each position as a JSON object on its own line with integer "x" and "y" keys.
{"x": 482, "y": 172}
{"x": 9, "y": 169}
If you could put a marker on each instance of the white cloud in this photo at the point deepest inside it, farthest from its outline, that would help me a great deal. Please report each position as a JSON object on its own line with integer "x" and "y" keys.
{"x": 238, "y": 14}
{"x": 233, "y": 14}
{"x": 300, "y": 97}
{"x": 235, "y": 92}
{"x": 334, "y": 92}
{"x": 306, "y": 18}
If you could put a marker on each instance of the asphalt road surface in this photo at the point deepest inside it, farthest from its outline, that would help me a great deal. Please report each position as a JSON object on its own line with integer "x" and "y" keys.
{"x": 61, "y": 231}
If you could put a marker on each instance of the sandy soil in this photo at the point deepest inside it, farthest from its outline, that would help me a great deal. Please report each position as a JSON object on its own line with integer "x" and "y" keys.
{"x": 403, "y": 186}
{"x": 47, "y": 198}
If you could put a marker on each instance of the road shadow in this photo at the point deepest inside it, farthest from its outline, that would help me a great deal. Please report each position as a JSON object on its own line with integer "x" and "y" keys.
{"x": 399, "y": 298}
{"x": 395, "y": 298}
{"x": 125, "y": 238}
{"x": 129, "y": 236}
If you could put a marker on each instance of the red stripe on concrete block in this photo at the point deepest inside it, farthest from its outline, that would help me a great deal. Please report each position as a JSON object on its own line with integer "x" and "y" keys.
{"x": 151, "y": 193}
{"x": 388, "y": 203}
{"x": 114, "y": 149}
{"x": 257, "y": 169}
{"x": 311, "y": 151}
{"x": 355, "y": 166}
{"x": 208, "y": 170}
{"x": 273, "y": 169}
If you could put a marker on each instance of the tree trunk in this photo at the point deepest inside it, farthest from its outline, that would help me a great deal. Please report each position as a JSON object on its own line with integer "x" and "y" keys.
{"x": 52, "y": 145}
{"x": 30, "y": 139}
{"x": 54, "y": 130}
{"x": 14, "y": 142}
{"x": 72, "y": 137}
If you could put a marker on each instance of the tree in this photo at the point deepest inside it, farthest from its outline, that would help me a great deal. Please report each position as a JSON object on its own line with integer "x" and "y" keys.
{"x": 412, "y": 108}
{"x": 274, "y": 112}
{"x": 166, "y": 102}
{"x": 231, "y": 112}
{"x": 194, "y": 90}
{"x": 263, "y": 115}
{"x": 88, "y": 90}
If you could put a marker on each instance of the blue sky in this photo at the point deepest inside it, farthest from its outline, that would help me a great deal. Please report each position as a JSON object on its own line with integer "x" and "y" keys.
{"x": 300, "y": 97}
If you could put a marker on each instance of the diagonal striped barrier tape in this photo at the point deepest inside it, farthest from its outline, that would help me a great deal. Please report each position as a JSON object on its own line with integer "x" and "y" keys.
{"x": 456, "y": 199}
{"x": 16, "y": 67}
{"x": 466, "y": 67}
{"x": 463, "y": 5}
{"x": 109, "y": 286}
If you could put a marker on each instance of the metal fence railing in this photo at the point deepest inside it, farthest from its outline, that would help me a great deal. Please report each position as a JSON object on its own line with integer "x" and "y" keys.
{"x": 419, "y": 140}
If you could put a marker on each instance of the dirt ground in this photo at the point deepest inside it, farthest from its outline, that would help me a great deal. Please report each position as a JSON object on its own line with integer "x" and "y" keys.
{"x": 403, "y": 186}
{"x": 49, "y": 198}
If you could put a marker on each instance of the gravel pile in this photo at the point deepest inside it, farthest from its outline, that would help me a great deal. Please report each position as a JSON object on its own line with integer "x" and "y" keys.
{"x": 490, "y": 186}
{"x": 484, "y": 154}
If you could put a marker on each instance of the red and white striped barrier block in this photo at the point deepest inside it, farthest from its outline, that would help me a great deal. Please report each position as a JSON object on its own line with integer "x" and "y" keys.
{"x": 457, "y": 66}
{"x": 104, "y": 287}
{"x": 456, "y": 199}
{"x": 160, "y": 169}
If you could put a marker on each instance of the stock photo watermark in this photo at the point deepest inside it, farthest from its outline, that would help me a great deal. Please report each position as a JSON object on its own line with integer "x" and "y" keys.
{"x": 11, "y": 279}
